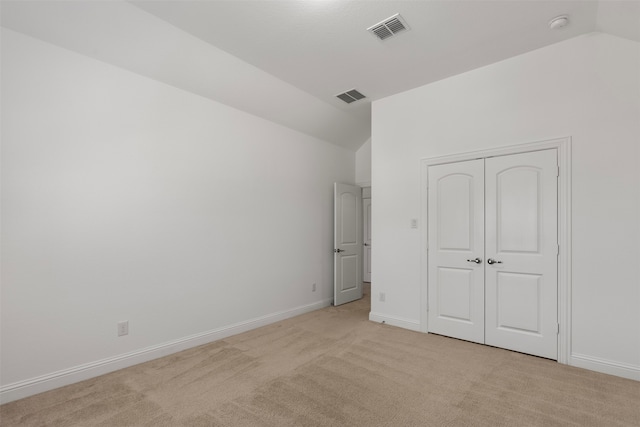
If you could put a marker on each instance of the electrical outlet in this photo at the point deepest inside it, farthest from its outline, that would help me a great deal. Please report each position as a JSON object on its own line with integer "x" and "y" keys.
{"x": 383, "y": 297}
{"x": 123, "y": 328}
{"x": 313, "y": 287}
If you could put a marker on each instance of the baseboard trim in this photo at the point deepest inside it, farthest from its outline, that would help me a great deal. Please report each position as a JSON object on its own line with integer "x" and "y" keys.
{"x": 605, "y": 366}
{"x": 395, "y": 321}
{"x": 30, "y": 387}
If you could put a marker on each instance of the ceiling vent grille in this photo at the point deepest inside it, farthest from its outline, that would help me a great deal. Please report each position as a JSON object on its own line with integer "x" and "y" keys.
{"x": 351, "y": 96}
{"x": 389, "y": 27}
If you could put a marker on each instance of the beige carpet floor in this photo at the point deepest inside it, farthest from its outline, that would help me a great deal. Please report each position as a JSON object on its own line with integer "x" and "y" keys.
{"x": 333, "y": 367}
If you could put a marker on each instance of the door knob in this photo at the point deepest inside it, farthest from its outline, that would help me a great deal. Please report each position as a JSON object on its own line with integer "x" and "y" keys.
{"x": 338, "y": 250}
{"x": 366, "y": 244}
{"x": 493, "y": 261}
{"x": 477, "y": 260}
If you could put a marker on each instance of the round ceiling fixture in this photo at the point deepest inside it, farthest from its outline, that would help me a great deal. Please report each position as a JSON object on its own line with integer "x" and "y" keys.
{"x": 559, "y": 22}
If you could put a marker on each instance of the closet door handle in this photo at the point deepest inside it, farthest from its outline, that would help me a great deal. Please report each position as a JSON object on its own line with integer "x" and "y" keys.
{"x": 493, "y": 261}
{"x": 477, "y": 260}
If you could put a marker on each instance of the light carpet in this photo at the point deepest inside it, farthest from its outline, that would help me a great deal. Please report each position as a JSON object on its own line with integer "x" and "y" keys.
{"x": 333, "y": 367}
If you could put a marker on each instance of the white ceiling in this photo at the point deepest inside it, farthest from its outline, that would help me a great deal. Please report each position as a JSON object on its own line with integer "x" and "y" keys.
{"x": 286, "y": 60}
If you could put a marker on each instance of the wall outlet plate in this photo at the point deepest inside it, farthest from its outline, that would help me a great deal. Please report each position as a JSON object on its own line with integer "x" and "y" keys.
{"x": 123, "y": 328}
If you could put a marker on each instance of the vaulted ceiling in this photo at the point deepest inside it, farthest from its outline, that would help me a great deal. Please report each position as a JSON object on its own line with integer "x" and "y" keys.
{"x": 286, "y": 61}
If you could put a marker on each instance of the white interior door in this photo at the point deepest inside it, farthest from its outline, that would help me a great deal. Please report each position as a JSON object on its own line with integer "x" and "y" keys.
{"x": 493, "y": 273}
{"x": 456, "y": 250}
{"x": 347, "y": 283}
{"x": 521, "y": 283}
{"x": 366, "y": 208}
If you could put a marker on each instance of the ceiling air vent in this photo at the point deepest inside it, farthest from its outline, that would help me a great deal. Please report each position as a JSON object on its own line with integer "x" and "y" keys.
{"x": 351, "y": 96}
{"x": 389, "y": 27}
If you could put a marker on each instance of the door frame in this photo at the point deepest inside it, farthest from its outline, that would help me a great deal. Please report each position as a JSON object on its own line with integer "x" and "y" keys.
{"x": 563, "y": 147}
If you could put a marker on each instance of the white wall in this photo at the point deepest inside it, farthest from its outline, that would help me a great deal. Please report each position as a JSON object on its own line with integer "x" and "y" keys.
{"x": 587, "y": 88}
{"x": 127, "y": 199}
{"x": 363, "y": 164}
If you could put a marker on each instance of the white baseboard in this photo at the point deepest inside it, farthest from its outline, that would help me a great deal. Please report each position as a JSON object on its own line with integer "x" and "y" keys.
{"x": 605, "y": 366}
{"x": 578, "y": 360}
{"x": 75, "y": 374}
{"x": 395, "y": 321}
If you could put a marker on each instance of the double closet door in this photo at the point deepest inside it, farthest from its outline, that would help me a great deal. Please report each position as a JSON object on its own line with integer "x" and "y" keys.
{"x": 493, "y": 251}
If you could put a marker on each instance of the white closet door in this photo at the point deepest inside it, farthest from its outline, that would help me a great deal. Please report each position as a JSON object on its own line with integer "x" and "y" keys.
{"x": 456, "y": 248}
{"x": 521, "y": 283}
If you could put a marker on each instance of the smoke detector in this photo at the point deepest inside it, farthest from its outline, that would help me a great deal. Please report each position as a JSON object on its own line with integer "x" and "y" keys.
{"x": 351, "y": 96}
{"x": 389, "y": 27}
{"x": 559, "y": 22}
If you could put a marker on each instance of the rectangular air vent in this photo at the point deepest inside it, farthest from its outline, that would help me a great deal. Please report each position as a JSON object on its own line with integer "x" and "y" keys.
{"x": 351, "y": 96}
{"x": 389, "y": 27}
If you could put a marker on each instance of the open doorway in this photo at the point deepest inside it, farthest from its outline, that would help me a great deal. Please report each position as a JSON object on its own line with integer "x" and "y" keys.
{"x": 367, "y": 240}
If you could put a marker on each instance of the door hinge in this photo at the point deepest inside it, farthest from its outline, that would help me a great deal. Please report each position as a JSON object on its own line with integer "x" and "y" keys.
{"x": 557, "y": 250}
{"x": 557, "y": 171}
{"x": 558, "y": 330}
